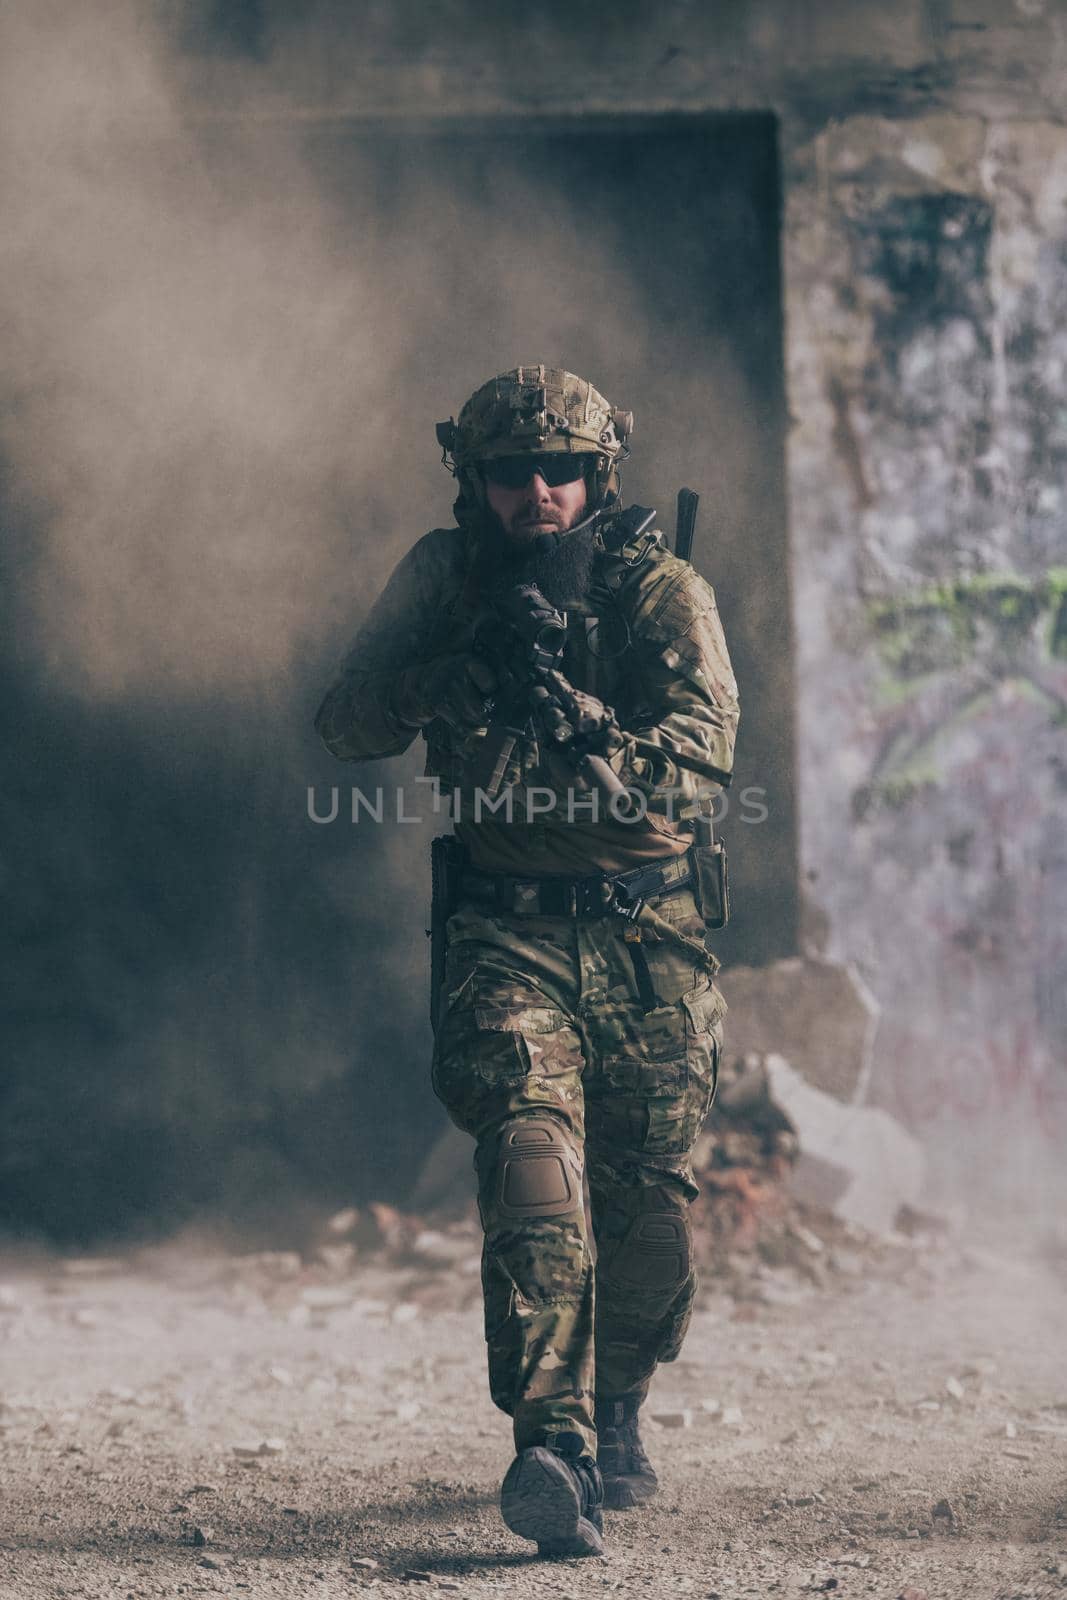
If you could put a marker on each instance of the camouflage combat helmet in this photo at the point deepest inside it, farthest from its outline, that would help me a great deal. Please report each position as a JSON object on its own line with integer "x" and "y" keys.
{"x": 537, "y": 410}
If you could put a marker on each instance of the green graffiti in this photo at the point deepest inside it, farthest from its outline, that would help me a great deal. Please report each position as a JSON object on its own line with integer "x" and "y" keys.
{"x": 944, "y": 627}
{"x": 968, "y": 643}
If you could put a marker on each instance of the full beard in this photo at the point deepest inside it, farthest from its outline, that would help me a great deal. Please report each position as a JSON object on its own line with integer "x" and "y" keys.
{"x": 561, "y": 565}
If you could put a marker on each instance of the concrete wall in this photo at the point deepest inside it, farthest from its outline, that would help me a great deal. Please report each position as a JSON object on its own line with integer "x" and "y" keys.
{"x": 926, "y": 357}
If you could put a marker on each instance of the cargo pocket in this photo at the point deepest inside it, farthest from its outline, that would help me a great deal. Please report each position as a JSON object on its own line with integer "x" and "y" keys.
{"x": 497, "y": 1052}
{"x": 704, "y": 1008}
{"x": 643, "y": 1106}
{"x": 678, "y": 966}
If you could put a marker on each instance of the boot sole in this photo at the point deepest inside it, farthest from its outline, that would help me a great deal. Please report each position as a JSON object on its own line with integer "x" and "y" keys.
{"x": 539, "y": 1501}
{"x": 623, "y": 1494}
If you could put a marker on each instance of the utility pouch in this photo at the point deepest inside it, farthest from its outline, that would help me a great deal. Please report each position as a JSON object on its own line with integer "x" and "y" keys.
{"x": 446, "y": 862}
{"x": 711, "y": 887}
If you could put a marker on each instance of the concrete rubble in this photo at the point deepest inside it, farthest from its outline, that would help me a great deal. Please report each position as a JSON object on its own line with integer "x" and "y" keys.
{"x": 857, "y": 1161}
{"x": 817, "y": 1014}
{"x": 789, "y": 1128}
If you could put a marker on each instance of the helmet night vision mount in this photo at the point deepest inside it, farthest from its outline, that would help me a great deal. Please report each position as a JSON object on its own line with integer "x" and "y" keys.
{"x": 536, "y": 410}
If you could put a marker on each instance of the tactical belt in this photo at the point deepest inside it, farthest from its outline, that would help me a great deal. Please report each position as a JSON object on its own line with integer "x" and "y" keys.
{"x": 623, "y": 894}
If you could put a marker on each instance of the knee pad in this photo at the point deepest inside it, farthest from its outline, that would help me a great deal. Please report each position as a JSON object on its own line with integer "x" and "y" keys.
{"x": 653, "y": 1253}
{"x": 533, "y": 1168}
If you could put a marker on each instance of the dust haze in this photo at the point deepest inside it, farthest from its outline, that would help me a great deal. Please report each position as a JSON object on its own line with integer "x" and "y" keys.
{"x": 223, "y": 371}
{"x": 227, "y": 342}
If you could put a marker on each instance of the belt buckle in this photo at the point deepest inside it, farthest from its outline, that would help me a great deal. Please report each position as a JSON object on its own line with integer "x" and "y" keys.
{"x": 622, "y": 904}
{"x": 630, "y": 911}
{"x": 591, "y": 897}
{"x": 526, "y": 898}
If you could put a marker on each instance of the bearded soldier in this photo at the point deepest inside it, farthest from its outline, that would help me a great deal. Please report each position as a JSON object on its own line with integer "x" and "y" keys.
{"x": 578, "y": 1025}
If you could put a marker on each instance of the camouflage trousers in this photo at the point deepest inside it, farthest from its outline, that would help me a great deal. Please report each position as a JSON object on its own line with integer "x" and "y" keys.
{"x": 585, "y": 1109}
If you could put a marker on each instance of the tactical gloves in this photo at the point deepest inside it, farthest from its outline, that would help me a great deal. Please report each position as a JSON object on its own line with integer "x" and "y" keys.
{"x": 458, "y": 689}
{"x": 581, "y": 721}
{"x": 582, "y": 734}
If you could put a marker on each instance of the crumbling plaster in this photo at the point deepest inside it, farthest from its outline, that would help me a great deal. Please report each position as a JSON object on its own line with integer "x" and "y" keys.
{"x": 927, "y": 352}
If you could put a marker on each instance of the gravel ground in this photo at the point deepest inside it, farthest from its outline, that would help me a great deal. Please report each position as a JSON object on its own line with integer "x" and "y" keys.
{"x": 193, "y": 1423}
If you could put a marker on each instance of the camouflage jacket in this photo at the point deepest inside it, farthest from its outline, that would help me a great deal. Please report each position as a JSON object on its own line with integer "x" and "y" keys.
{"x": 647, "y": 640}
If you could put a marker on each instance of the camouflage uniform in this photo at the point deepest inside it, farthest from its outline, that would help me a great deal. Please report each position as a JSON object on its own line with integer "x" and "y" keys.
{"x": 543, "y": 1052}
{"x": 583, "y": 1103}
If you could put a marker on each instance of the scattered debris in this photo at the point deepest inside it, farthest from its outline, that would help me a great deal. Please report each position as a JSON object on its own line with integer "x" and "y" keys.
{"x": 343, "y": 1222}
{"x": 806, "y": 1237}
{"x": 319, "y": 1297}
{"x": 92, "y": 1266}
{"x": 268, "y": 1264}
{"x": 821, "y": 1358}
{"x": 856, "y": 1160}
{"x": 916, "y": 1224}
{"x": 673, "y": 1419}
{"x": 433, "y": 1248}
{"x": 799, "y": 1188}
{"x": 337, "y": 1258}
{"x": 818, "y": 1013}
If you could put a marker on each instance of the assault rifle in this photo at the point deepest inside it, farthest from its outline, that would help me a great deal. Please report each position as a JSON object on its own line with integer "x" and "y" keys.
{"x": 524, "y": 640}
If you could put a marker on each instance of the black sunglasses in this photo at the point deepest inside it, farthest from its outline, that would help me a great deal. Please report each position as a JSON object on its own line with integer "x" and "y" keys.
{"x": 515, "y": 472}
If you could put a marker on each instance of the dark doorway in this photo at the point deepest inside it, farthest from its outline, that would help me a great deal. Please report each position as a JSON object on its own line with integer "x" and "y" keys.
{"x": 643, "y": 254}
{"x": 209, "y": 1005}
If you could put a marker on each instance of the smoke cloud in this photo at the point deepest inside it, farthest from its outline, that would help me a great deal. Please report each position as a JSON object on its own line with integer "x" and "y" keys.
{"x": 227, "y": 342}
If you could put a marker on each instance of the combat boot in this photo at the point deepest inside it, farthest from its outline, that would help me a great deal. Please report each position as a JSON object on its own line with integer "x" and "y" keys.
{"x": 553, "y": 1494}
{"x": 629, "y": 1476}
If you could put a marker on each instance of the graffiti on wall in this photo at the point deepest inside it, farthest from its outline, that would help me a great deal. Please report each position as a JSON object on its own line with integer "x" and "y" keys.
{"x": 950, "y": 654}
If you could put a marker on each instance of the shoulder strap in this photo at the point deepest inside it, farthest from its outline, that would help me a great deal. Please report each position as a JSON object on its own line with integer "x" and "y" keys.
{"x": 625, "y": 527}
{"x": 627, "y": 540}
